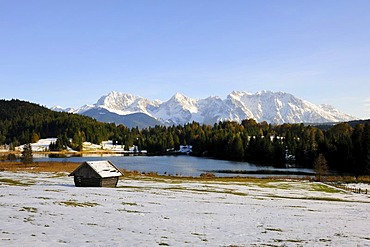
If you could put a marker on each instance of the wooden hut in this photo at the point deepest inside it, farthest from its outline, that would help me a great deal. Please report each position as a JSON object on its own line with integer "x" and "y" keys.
{"x": 96, "y": 174}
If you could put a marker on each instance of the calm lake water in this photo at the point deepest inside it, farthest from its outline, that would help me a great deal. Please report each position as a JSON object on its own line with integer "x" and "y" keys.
{"x": 183, "y": 165}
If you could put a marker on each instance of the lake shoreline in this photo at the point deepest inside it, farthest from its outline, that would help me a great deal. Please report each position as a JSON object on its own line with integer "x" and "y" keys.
{"x": 68, "y": 167}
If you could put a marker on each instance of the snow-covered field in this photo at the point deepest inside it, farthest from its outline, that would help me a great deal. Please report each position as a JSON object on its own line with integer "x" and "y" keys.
{"x": 45, "y": 209}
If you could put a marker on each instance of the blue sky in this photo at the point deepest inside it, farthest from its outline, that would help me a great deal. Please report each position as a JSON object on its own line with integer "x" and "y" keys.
{"x": 71, "y": 52}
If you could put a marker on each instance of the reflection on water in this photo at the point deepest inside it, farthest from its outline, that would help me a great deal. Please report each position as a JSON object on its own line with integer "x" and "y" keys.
{"x": 182, "y": 165}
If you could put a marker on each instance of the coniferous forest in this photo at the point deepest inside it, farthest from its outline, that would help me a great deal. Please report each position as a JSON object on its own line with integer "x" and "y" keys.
{"x": 345, "y": 146}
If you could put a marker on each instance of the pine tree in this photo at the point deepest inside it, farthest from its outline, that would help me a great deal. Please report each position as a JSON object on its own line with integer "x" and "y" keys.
{"x": 366, "y": 149}
{"x": 236, "y": 149}
{"x": 27, "y": 156}
{"x": 320, "y": 166}
{"x": 78, "y": 139}
{"x": 357, "y": 149}
{"x": 278, "y": 152}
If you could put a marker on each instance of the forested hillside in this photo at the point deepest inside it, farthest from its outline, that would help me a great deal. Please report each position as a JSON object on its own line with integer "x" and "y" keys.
{"x": 23, "y": 122}
{"x": 346, "y": 148}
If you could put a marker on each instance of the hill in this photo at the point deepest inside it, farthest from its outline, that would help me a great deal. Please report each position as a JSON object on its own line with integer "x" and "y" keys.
{"x": 23, "y": 122}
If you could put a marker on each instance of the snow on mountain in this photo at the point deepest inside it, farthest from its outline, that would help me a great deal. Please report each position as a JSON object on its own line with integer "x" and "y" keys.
{"x": 122, "y": 103}
{"x": 330, "y": 109}
{"x": 279, "y": 107}
{"x": 72, "y": 110}
{"x": 211, "y": 110}
{"x": 177, "y": 110}
{"x": 272, "y": 107}
{"x": 61, "y": 109}
{"x": 83, "y": 109}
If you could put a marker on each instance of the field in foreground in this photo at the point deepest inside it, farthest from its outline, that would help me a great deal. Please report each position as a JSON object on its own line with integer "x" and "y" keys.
{"x": 45, "y": 209}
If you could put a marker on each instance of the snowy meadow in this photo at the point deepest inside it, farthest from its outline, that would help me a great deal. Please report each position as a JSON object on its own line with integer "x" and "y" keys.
{"x": 46, "y": 209}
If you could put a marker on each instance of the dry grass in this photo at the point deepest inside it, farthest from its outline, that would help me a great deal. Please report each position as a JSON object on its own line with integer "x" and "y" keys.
{"x": 70, "y": 166}
{"x": 348, "y": 179}
{"x": 39, "y": 166}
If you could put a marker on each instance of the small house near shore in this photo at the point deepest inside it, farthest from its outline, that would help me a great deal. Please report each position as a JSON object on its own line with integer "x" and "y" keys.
{"x": 96, "y": 174}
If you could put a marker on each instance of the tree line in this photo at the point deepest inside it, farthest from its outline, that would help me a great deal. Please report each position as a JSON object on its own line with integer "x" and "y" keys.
{"x": 346, "y": 148}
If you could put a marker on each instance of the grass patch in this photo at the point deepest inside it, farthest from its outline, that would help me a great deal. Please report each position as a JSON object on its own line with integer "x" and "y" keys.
{"x": 29, "y": 219}
{"x": 214, "y": 180}
{"x": 58, "y": 175}
{"x": 329, "y": 199}
{"x": 324, "y": 188}
{"x": 130, "y": 211}
{"x": 274, "y": 229}
{"x": 201, "y": 236}
{"x": 288, "y": 241}
{"x": 163, "y": 244}
{"x": 43, "y": 198}
{"x": 50, "y": 190}
{"x": 59, "y": 167}
{"x": 29, "y": 209}
{"x": 293, "y": 206}
{"x": 284, "y": 185}
{"x": 207, "y": 190}
{"x": 324, "y": 240}
{"x": 130, "y": 203}
{"x": 72, "y": 203}
{"x": 134, "y": 188}
{"x": 13, "y": 182}
{"x": 91, "y": 224}
{"x": 270, "y": 184}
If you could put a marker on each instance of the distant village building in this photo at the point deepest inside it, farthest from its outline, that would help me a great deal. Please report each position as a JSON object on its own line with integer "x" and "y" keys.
{"x": 133, "y": 149}
{"x": 96, "y": 174}
{"x": 186, "y": 149}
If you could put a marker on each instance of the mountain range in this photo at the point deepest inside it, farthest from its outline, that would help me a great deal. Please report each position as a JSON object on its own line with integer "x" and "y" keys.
{"x": 272, "y": 107}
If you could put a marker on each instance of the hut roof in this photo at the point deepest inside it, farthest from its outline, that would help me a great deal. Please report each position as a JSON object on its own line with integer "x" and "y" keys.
{"x": 104, "y": 168}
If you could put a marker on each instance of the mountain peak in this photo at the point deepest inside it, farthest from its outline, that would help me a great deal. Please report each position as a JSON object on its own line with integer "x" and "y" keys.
{"x": 239, "y": 93}
{"x": 178, "y": 96}
{"x": 124, "y": 103}
{"x": 113, "y": 97}
{"x": 183, "y": 100}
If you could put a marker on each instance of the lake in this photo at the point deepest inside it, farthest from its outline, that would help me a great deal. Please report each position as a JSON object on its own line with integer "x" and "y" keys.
{"x": 184, "y": 165}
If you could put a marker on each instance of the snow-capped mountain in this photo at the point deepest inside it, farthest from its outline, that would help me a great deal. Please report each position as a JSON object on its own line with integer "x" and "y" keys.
{"x": 123, "y": 103}
{"x": 272, "y": 107}
{"x": 61, "y": 109}
{"x": 177, "y": 110}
